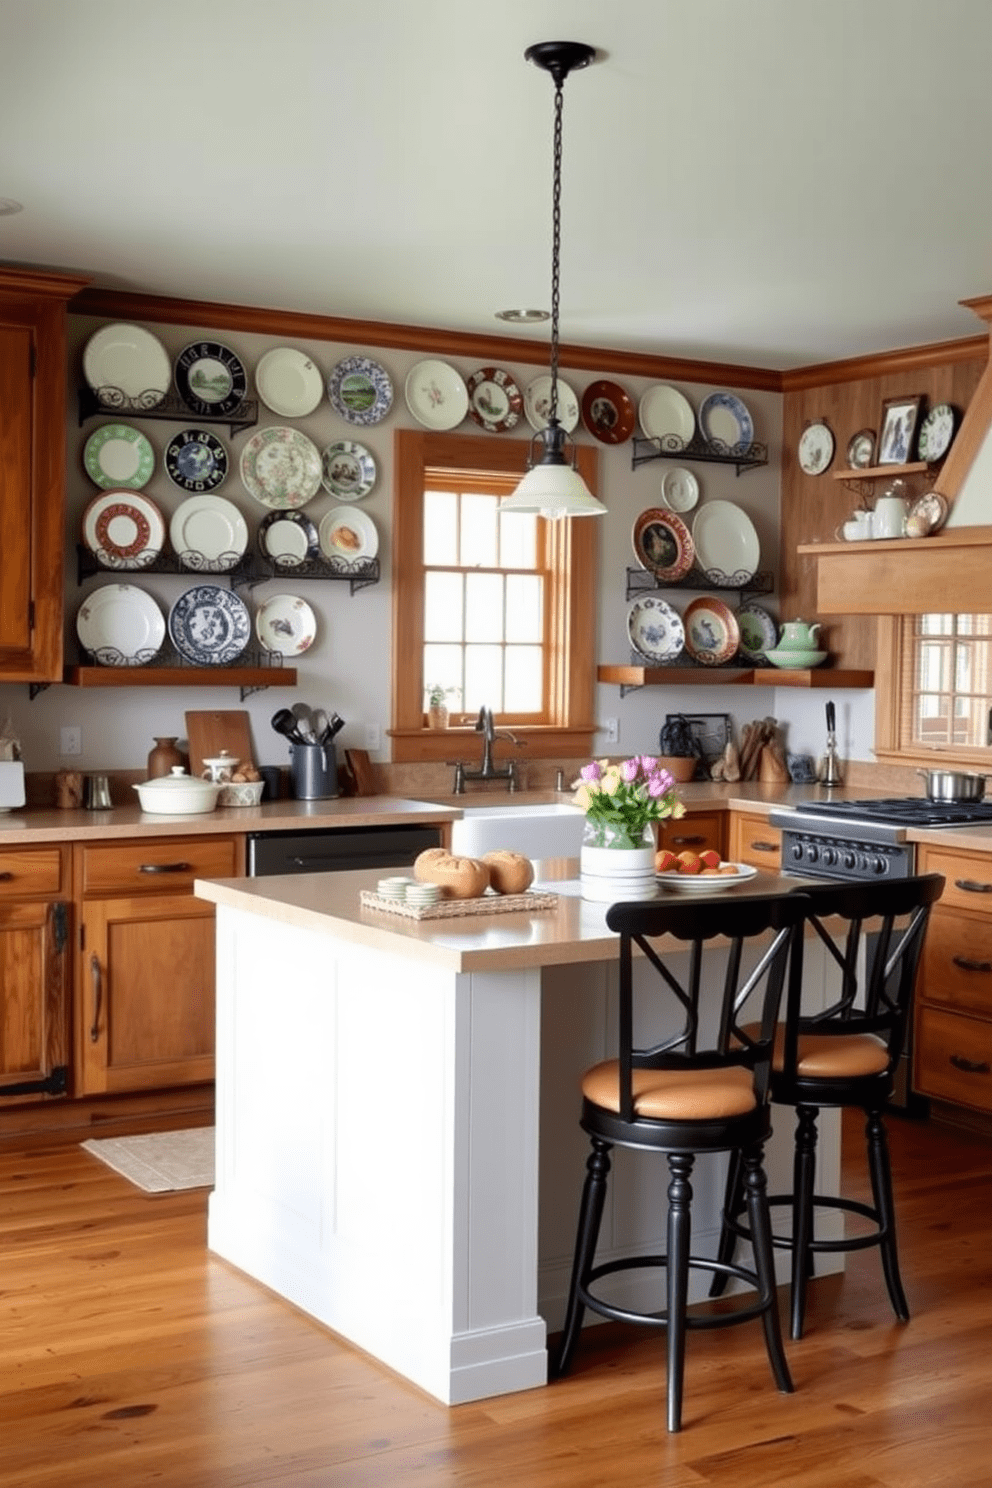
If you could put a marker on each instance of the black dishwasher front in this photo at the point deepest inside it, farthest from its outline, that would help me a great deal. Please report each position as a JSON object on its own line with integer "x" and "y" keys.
{"x": 336, "y": 851}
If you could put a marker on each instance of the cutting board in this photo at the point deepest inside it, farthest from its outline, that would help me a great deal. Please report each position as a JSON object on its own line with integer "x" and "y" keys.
{"x": 210, "y": 734}
{"x": 362, "y": 771}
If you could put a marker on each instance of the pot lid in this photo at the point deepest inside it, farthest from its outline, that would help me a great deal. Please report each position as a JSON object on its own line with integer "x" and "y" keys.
{"x": 179, "y": 779}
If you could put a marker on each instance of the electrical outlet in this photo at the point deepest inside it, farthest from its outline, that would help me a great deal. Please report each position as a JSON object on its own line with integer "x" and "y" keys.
{"x": 611, "y": 727}
{"x": 71, "y": 740}
{"x": 373, "y": 736}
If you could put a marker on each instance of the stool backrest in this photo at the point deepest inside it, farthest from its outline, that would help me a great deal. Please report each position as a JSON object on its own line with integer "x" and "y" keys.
{"x": 711, "y": 1007}
{"x": 875, "y": 953}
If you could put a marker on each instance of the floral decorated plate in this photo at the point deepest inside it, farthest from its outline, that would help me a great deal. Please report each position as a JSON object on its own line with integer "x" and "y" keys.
{"x": 861, "y": 449}
{"x": 663, "y": 544}
{"x": 608, "y": 412}
{"x": 117, "y": 455}
{"x": 712, "y": 635}
{"x": 494, "y": 400}
{"x": 816, "y": 449}
{"x": 655, "y": 629}
{"x": 209, "y": 626}
{"x": 281, "y": 467}
{"x": 758, "y": 632}
{"x": 360, "y": 390}
{"x": 285, "y": 624}
{"x": 123, "y": 529}
{"x": 436, "y": 394}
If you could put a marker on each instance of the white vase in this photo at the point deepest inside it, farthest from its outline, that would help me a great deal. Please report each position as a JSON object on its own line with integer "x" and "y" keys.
{"x": 611, "y": 873}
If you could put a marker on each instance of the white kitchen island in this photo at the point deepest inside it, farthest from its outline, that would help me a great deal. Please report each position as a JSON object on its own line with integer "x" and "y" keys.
{"x": 398, "y": 1149}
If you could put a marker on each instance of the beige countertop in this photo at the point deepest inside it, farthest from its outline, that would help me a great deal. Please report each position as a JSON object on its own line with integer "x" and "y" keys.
{"x": 573, "y": 931}
{"x": 39, "y": 825}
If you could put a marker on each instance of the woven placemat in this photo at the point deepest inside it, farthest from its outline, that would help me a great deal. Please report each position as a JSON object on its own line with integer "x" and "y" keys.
{"x": 450, "y": 909}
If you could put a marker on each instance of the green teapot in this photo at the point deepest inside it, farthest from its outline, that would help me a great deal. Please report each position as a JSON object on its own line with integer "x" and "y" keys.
{"x": 798, "y": 636}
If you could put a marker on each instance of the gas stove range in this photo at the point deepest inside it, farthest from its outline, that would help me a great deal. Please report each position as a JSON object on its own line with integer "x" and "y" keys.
{"x": 864, "y": 839}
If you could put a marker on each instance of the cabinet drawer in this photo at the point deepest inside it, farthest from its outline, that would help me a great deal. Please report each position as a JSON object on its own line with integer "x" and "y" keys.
{"x": 969, "y": 877}
{"x": 34, "y": 872}
{"x": 163, "y": 865}
{"x": 954, "y": 1058}
{"x": 957, "y": 963}
{"x": 754, "y": 841}
{"x": 698, "y": 830}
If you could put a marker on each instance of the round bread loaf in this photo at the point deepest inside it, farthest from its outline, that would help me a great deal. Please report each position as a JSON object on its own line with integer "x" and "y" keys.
{"x": 460, "y": 878}
{"x": 509, "y": 872}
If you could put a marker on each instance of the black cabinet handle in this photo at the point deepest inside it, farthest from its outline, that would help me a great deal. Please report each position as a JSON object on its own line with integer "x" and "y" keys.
{"x": 970, "y": 886}
{"x": 687, "y": 841}
{"x": 763, "y": 846}
{"x": 971, "y": 1066}
{"x": 967, "y": 965}
{"x": 165, "y": 867}
{"x": 97, "y": 981}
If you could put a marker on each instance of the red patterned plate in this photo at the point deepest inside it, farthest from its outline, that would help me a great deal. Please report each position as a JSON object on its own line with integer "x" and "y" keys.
{"x": 712, "y": 634}
{"x": 494, "y": 400}
{"x": 608, "y": 413}
{"x": 663, "y": 544}
{"x": 123, "y": 529}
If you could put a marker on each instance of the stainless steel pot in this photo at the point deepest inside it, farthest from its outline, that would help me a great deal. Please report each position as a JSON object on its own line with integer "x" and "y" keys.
{"x": 954, "y": 785}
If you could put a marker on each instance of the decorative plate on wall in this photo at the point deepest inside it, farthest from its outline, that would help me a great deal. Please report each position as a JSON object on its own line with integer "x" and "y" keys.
{"x": 195, "y": 460}
{"x": 130, "y": 360}
{"x": 288, "y": 538}
{"x": 711, "y": 632}
{"x": 726, "y": 423}
{"x": 663, "y": 544}
{"x": 117, "y": 455}
{"x": 288, "y": 382}
{"x": 209, "y": 626}
{"x": 655, "y": 629}
{"x": 120, "y": 625}
{"x": 936, "y": 433}
{"x": 123, "y": 529}
{"x": 758, "y": 632}
{"x": 861, "y": 449}
{"x": 666, "y": 414}
{"x": 210, "y": 378}
{"x": 494, "y": 400}
{"x": 285, "y": 624}
{"x": 607, "y": 412}
{"x": 281, "y": 467}
{"x": 360, "y": 390}
{"x": 436, "y": 395}
{"x": 537, "y": 404}
{"x": 208, "y": 534}
{"x": 679, "y": 489}
{"x": 816, "y": 449}
{"x": 347, "y": 470}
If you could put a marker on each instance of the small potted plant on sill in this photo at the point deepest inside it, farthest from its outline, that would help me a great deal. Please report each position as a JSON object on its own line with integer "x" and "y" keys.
{"x": 437, "y": 707}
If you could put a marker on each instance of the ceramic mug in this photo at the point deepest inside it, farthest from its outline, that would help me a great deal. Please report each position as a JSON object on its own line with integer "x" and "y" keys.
{"x": 890, "y": 517}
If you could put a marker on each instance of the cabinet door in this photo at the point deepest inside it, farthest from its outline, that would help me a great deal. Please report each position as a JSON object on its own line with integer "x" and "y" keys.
{"x": 16, "y": 354}
{"x": 34, "y": 998}
{"x": 145, "y": 989}
{"x": 696, "y": 830}
{"x": 753, "y": 841}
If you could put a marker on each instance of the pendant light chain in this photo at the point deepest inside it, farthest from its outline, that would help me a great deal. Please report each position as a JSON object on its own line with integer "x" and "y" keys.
{"x": 555, "y": 246}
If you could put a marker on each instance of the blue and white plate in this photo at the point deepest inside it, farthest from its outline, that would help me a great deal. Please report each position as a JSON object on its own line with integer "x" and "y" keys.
{"x": 209, "y": 626}
{"x": 655, "y": 629}
{"x": 758, "y": 632}
{"x": 726, "y": 423}
{"x": 195, "y": 460}
{"x": 360, "y": 390}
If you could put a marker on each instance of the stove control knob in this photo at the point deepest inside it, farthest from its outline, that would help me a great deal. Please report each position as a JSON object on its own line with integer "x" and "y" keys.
{"x": 829, "y": 856}
{"x": 850, "y": 860}
{"x": 812, "y": 853}
{"x": 878, "y": 865}
{"x": 797, "y": 851}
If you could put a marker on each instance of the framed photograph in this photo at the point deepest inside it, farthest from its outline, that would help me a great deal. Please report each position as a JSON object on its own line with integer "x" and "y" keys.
{"x": 897, "y": 430}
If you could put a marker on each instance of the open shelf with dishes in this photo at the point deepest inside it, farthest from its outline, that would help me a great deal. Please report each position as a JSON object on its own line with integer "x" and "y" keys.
{"x": 862, "y": 481}
{"x": 253, "y": 672}
{"x": 243, "y": 569}
{"x": 110, "y": 402}
{"x": 709, "y": 451}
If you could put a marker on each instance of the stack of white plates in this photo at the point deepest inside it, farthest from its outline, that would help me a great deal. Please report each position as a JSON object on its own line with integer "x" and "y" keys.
{"x": 393, "y": 888}
{"x": 423, "y": 894}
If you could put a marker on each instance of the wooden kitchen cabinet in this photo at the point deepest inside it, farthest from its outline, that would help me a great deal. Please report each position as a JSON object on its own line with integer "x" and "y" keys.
{"x": 32, "y": 471}
{"x": 953, "y": 1036}
{"x": 754, "y": 841}
{"x": 697, "y": 830}
{"x": 35, "y": 966}
{"x": 145, "y": 971}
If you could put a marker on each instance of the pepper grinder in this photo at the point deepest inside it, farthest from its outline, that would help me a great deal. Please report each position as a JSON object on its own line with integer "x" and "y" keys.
{"x": 830, "y": 764}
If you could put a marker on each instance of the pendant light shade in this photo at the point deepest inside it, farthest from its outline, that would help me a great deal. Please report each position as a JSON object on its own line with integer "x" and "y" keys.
{"x": 553, "y": 486}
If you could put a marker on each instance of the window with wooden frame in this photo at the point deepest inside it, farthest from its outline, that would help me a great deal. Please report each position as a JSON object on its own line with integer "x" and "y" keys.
{"x": 934, "y": 688}
{"x": 503, "y": 609}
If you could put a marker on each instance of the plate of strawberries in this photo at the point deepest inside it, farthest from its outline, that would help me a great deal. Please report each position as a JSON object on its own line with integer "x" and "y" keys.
{"x": 699, "y": 873}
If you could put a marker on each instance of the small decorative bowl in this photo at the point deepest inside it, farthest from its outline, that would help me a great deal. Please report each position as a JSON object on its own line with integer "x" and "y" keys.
{"x": 795, "y": 660}
{"x": 241, "y": 793}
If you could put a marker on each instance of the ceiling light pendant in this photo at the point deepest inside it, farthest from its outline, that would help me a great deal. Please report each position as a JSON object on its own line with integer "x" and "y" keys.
{"x": 553, "y": 486}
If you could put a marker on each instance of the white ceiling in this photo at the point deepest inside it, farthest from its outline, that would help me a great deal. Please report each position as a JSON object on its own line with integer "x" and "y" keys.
{"x": 773, "y": 182}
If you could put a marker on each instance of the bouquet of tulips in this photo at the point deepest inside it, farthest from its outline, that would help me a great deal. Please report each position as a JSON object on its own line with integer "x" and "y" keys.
{"x": 621, "y": 800}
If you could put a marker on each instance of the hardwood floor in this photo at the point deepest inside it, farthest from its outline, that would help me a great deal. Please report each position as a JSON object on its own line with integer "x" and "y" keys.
{"x": 130, "y": 1356}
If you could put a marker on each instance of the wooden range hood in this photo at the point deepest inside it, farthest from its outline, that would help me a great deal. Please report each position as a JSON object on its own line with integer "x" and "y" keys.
{"x": 913, "y": 576}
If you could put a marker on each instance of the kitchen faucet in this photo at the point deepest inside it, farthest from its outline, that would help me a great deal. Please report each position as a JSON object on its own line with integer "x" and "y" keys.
{"x": 489, "y": 771}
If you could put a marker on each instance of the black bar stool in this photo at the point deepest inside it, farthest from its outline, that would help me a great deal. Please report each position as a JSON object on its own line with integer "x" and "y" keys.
{"x": 844, "y": 1056}
{"x": 691, "y": 1090}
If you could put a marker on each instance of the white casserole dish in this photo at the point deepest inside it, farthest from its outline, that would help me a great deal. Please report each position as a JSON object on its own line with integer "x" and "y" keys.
{"x": 178, "y": 794}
